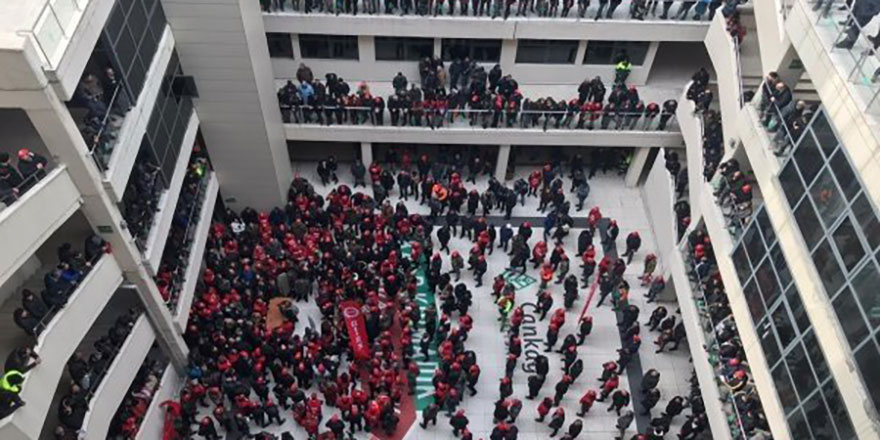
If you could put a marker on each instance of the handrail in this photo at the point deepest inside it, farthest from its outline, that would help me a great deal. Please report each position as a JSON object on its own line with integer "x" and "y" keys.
{"x": 504, "y": 119}
{"x": 52, "y": 310}
{"x": 739, "y": 71}
{"x": 637, "y": 10}
{"x": 16, "y": 193}
{"x": 98, "y": 138}
{"x": 195, "y": 214}
{"x": 712, "y": 340}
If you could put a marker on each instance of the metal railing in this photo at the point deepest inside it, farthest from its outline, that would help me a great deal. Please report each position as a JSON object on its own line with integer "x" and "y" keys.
{"x": 710, "y": 334}
{"x": 739, "y": 70}
{"x": 473, "y": 118}
{"x": 55, "y": 25}
{"x": 670, "y": 10}
{"x": 192, "y": 221}
{"x": 100, "y": 135}
{"x": 8, "y": 197}
{"x": 851, "y": 37}
{"x": 99, "y": 374}
{"x": 53, "y": 311}
{"x": 784, "y": 124}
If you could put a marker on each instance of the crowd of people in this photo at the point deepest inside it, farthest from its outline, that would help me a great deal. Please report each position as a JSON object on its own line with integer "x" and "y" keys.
{"x": 86, "y": 371}
{"x": 16, "y": 180}
{"x": 784, "y": 117}
{"x": 475, "y": 97}
{"x": 175, "y": 259}
{"x": 106, "y": 102}
{"x": 128, "y": 418}
{"x": 140, "y": 201}
{"x": 725, "y": 346}
{"x": 255, "y": 362}
{"x": 637, "y": 9}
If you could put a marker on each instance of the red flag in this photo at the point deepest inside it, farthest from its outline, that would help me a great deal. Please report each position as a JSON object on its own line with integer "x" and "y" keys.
{"x": 357, "y": 329}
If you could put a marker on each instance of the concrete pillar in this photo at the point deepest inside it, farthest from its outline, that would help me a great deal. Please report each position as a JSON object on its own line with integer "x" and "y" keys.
{"x": 237, "y": 105}
{"x": 508, "y": 55}
{"x": 790, "y": 69}
{"x": 56, "y": 127}
{"x": 501, "y": 163}
{"x": 366, "y": 153}
{"x": 637, "y": 166}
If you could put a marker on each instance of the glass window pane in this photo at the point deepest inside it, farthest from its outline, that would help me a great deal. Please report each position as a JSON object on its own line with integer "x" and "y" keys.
{"x": 845, "y": 176}
{"x": 850, "y": 318}
{"x": 766, "y": 227}
{"x": 818, "y": 417}
{"x": 827, "y": 198}
{"x": 867, "y": 219}
{"x": 798, "y": 425}
{"x": 800, "y": 371}
{"x": 829, "y": 269}
{"x": 867, "y": 288}
{"x": 848, "y": 245}
{"x": 754, "y": 245}
{"x": 280, "y": 45}
{"x": 784, "y": 388}
{"x": 838, "y": 411}
{"x": 817, "y": 358}
{"x": 767, "y": 282}
{"x": 741, "y": 263}
{"x": 797, "y": 308}
{"x": 808, "y": 223}
{"x": 599, "y": 52}
{"x": 781, "y": 266}
{"x": 824, "y": 133}
{"x": 791, "y": 183}
{"x": 808, "y": 159}
{"x": 784, "y": 328}
{"x": 753, "y": 299}
{"x": 768, "y": 342}
{"x": 137, "y": 22}
{"x": 868, "y": 359}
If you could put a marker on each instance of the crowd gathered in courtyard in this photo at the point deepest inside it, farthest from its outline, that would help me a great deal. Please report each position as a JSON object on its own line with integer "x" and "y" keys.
{"x": 467, "y": 93}
{"x": 581, "y": 9}
{"x": 257, "y": 361}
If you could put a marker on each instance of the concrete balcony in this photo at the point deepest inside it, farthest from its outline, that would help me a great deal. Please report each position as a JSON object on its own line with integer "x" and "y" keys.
{"x": 167, "y": 203}
{"x": 151, "y": 425}
{"x": 658, "y": 195}
{"x": 723, "y": 245}
{"x": 556, "y": 28}
{"x": 691, "y": 126}
{"x": 128, "y": 141}
{"x": 55, "y": 346}
{"x": 30, "y": 221}
{"x": 194, "y": 267}
{"x": 115, "y": 384}
{"x": 845, "y": 86}
{"x": 466, "y": 135}
{"x": 696, "y": 338}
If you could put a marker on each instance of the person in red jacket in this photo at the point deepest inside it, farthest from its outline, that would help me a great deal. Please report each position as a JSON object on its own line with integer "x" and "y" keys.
{"x": 586, "y": 402}
{"x": 544, "y": 408}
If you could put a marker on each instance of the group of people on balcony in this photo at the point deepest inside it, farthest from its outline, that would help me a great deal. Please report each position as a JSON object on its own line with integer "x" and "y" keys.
{"x": 140, "y": 201}
{"x": 783, "y": 116}
{"x": 475, "y": 97}
{"x": 726, "y": 348}
{"x": 36, "y": 312}
{"x": 175, "y": 258}
{"x": 638, "y": 9}
{"x": 86, "y": 373}
{"x": 16, "y": 180}
{"x": 127, "y": 421}
{"x": 106, "y": 101}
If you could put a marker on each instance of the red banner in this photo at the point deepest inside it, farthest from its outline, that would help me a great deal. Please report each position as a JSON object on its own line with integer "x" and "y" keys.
{"x": 357, "y": 329}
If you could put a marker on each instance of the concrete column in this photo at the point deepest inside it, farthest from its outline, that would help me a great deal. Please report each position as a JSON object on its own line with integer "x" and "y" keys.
{"x": 60, "y": 134}
{"x": 501, "y": 163}
{"x": 237, "y": 105}
{"x": 508, "y": 55}
{"x": 438, "y": 47}
{"x": 637, "y": 166}
{"x": 367, "y": 153}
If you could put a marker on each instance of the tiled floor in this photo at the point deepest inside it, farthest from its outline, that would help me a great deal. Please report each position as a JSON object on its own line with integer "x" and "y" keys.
{"x": 616, "y": 201}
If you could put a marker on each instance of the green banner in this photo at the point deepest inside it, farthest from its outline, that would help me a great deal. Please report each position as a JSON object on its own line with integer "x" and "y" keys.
{"x": 424, "y": 298}
{"x": 520, "y": 281}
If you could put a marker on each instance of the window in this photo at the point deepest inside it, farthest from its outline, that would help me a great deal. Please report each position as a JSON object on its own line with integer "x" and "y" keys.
{"x": 130, "y": 40}
{"x": 741, "y": 263}
{"x": 780, "y": 265}
{"x": 797, "y": 308}
{"x": 767, "y": 282}
{"x": 817, "y": 358}
{"x": 845, "y": 176}
{"x": 850, "y": 318}
{"x": 808, "y": 158}
{"x": 753, "y": 299}
{"x": 280, "y": 45}
{"x": 791, "y": 183}
{"x": 403, "y": 49}
{"x": 481, "y": 51}
{"x": 866, "y": 218}
{"x": 868, "y": 358}
{"x": 818, "y": 418}
{"x": 801, "y": 374}
{"x": 798, "y": 426}
{"x": 838, "y": 410}
{"x": 768, "y": 342}
{"x": 783, "y": 326}
{"x": 339, "y": 47}
{"x": 828, "y": 268}
{"x": 754, "y": 245}
{"x": 866, "y": 285}
{"x": 824, "y": 134}
{"x": 827, "y": 198}
{"x": 608, "y": 52}
{"x": 784, "y": 388}
{"x": 546, "y": 51}
{"x": 848, "y": 245}
{"x": 808, "y": 223}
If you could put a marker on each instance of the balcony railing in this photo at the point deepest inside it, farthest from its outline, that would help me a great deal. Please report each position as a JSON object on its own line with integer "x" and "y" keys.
{"x": 479, "y": 118}
{"x": 677, "y": 10}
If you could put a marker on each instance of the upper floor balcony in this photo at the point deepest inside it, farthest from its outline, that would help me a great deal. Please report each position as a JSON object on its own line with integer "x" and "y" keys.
{"x": 678, "y": 20}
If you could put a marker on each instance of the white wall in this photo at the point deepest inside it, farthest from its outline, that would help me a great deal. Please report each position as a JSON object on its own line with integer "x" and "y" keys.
{"x": 658, "y": 195}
